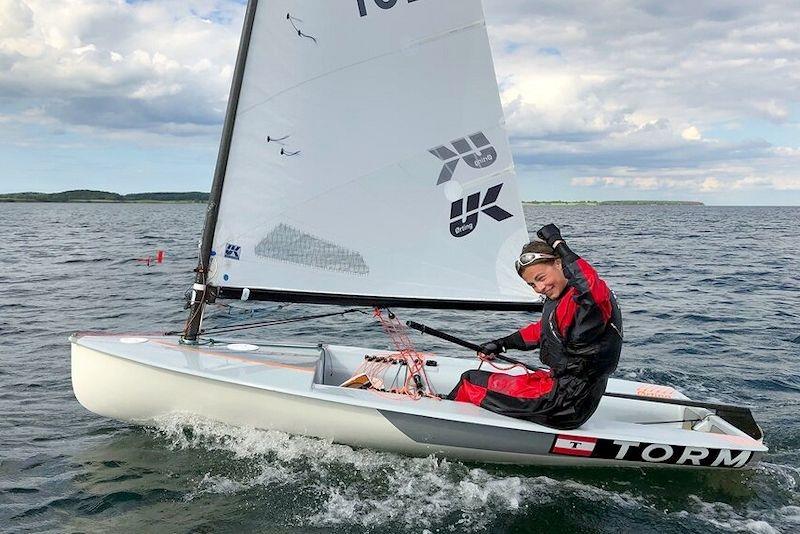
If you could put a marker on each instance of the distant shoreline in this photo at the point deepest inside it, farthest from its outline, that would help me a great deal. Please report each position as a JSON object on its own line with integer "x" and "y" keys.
{"x": 105, "y": 197}
{"x": 20, "y": 201}
{"x": 198, "y": 197}
{"x": 613, "y": 203}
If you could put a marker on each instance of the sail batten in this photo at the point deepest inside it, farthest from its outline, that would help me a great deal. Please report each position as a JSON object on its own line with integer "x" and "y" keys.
{"x": 371, "y": 162}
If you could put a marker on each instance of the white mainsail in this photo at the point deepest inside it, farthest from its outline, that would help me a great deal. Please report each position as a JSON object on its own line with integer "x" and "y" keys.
{"x": 369, "y": 158}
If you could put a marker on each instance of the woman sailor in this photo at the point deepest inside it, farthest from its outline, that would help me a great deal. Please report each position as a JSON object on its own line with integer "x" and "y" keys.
{"x": 579, "y": 337}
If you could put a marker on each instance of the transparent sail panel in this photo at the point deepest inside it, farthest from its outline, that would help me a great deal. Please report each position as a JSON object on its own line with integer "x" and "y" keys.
{"x": 288, "y": 244}
{"x": 369, "y": 156}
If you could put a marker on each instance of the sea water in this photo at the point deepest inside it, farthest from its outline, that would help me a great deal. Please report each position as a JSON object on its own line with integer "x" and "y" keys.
{"x": 711, "y": 301}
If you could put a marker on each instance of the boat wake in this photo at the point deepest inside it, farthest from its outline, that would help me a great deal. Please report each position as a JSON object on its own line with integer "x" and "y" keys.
{"x": 364, "y": 487}
{"x": 361, "y": 489}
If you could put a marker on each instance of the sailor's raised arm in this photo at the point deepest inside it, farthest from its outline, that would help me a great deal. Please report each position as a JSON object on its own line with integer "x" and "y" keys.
{"x": 584, "y": 317}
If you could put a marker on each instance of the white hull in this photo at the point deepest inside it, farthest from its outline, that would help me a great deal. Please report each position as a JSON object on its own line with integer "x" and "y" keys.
{"x": 130, "y": 391}
{"x": 288, "y": 388}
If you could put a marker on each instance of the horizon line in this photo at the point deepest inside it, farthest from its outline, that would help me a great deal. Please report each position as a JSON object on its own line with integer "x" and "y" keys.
{"x": 698, "y": 202}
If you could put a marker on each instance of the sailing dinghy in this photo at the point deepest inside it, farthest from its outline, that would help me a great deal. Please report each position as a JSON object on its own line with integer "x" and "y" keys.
{"x": 364, "y": 161}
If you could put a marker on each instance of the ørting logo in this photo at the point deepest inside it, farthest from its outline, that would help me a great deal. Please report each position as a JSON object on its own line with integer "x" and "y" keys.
{"x": 479, "y": 154}
{"x": 464, "y": 222}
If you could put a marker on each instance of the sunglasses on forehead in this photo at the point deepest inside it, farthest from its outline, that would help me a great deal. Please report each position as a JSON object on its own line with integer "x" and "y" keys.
{"x": 530, "y": 258}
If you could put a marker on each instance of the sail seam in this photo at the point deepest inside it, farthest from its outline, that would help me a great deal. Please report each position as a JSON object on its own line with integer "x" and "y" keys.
{"x": 288, "y": 212}
{"x": 400, "y": 50}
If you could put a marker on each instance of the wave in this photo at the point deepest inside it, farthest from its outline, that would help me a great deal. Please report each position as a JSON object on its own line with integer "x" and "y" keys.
{"x": 346, "y": 488}
{"x": 369, "y": 489}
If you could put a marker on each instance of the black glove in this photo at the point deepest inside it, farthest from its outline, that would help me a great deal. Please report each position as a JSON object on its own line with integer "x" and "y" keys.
{"x": 550, "y": 234}
{"x": 498, "y": 346}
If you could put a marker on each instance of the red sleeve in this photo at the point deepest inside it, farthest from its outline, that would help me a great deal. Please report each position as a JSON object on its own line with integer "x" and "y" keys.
{"x": 525, "y": 338}
{"x": 585, "y": 308}
{"x": 531, "y": 334}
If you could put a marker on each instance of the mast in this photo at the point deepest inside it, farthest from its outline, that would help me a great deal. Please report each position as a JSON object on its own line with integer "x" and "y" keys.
{"x": 200, "y": 289}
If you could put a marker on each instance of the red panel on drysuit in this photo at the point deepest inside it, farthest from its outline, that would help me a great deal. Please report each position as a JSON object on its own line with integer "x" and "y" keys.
{"x": 469, "y": 392}
{"x": 475, "y": 385}
{"x": 528, "y": 386}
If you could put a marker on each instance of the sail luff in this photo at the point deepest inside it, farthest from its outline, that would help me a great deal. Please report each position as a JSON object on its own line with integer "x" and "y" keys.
{"x": 199, "y": 289}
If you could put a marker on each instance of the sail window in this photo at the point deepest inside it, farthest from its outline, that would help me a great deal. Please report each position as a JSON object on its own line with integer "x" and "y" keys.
{"x": 288, "y": 244}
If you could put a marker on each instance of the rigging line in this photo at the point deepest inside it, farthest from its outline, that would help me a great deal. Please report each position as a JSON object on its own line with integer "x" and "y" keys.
{"x": 395, "y": 382}
{"x": 292, "y": 20}
{"x": 246, "y": 327}
{"x": 259, "y": 325}
{"x": 281, "y": 321}
{"x": 253, "y": 325}
{"x": 392, "y": 52}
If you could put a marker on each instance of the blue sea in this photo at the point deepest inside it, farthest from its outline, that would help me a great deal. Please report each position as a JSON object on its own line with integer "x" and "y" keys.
{"x": 711, "y": 300}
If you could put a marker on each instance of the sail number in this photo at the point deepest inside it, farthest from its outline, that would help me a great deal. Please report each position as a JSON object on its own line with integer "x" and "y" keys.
{"x": 383, "y": 4}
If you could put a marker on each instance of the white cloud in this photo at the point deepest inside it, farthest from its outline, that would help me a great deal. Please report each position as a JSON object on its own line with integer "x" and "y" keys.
{"x": 691, "y": 134}
{"x": 787, "y": 184}
{"x": 772, "y": 110}
{"x": 614, "y": 181}
{"x": 691, "y": 181}
{"x": 112, "y": 65}
{"x": 751, "y": 182}
{"x": 16, "y": 19}
{"x": 585, "y": 181}
{"x": 635, "y": 89}
{"x": 710, "y": 184}
{"x": 645, "y": 183}
{"x": 604, "y": 181}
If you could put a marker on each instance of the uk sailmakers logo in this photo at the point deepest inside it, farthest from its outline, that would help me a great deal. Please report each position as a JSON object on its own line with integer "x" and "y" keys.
{"x": 232, "y": 251}
{"x": 464, "y": 221}
{"x": 475, "y": 150}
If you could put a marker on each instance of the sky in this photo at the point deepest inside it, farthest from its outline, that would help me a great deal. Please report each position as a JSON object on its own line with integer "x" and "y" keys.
{"x": 637, "y": 99}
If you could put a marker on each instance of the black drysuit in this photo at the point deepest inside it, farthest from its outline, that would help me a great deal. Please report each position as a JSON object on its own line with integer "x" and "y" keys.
{"x": 579, "y": 337}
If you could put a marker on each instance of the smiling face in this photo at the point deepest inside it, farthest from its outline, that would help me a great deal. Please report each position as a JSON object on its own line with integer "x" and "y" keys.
{"x": 546, "y": 278}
